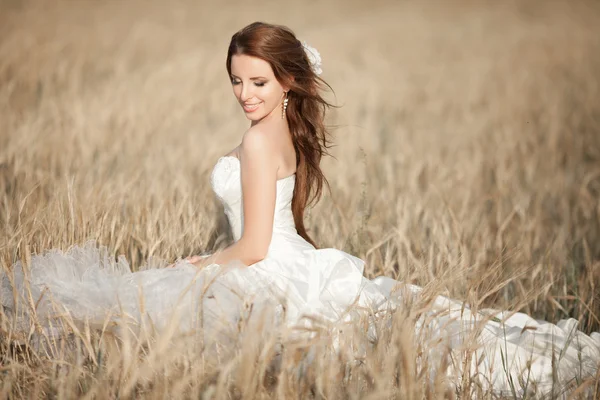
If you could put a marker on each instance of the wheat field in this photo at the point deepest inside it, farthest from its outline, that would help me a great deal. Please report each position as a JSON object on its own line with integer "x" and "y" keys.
{"x": 466, "y": 160}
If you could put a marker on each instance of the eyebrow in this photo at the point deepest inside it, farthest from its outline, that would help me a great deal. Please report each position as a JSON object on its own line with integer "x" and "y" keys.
{"x": 252, "y": 79}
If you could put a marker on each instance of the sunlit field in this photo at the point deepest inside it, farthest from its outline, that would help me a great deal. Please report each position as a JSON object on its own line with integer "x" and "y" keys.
{"x": 466, "y": 160}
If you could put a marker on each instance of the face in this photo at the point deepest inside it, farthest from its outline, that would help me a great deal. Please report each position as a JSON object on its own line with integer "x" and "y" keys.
{"x": 255, "y": 87}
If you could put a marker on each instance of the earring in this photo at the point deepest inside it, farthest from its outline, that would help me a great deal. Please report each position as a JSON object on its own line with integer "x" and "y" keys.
{"x": 285, "y": 103}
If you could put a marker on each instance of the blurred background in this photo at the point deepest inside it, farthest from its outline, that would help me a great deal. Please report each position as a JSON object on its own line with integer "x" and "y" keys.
{"x": 467, "y": 142}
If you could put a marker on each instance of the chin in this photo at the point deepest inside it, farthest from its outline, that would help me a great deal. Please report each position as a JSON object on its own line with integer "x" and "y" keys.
{"x": 253, "y": 117}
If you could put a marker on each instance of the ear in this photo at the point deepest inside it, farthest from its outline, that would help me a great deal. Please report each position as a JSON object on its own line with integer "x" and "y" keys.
{"x": 287, "y": 88}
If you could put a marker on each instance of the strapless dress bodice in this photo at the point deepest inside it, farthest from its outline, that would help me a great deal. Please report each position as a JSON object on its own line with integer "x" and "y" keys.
{"x": 227, "y": 186}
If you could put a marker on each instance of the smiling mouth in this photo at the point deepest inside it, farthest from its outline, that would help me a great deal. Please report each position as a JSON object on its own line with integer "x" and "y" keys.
{"x": 251, "y": 107}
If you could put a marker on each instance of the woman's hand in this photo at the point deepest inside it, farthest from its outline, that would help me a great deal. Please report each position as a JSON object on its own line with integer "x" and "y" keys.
{"x": 198, "y": 261}
{"x": 194, "y": 259}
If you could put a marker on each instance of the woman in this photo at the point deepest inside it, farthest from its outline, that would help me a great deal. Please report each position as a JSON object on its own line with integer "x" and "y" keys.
{"x": 265, "y": 185}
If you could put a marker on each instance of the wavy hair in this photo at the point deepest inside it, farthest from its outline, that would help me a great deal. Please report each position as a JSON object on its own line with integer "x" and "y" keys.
{"x": 306, "y": 107}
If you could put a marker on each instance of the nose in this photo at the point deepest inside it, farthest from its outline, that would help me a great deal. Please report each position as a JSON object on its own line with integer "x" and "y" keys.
{"x": 246, "y": 92}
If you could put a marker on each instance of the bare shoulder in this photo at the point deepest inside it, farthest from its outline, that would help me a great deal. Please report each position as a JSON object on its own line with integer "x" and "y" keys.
{"x": 257, "y": 140}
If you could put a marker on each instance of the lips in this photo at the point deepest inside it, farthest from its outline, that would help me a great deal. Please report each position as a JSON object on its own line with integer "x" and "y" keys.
{"x": 251, "y": 107}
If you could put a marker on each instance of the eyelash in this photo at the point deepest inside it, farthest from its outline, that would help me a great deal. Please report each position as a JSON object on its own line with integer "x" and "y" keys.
{"x": 258, "y": 84}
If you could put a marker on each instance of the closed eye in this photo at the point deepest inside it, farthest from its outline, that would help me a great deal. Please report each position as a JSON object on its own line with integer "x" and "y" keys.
{"x": 258, "y": 84}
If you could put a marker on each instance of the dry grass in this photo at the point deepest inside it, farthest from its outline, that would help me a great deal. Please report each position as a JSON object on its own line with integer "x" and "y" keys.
{"x": 467, "y": 161}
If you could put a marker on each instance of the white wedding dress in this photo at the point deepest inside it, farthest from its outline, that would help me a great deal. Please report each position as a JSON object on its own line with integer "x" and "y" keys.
{"x": 298, "y": 281}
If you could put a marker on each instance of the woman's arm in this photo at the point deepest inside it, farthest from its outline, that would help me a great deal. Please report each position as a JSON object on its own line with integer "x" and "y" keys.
{"x": 259, "y": 189}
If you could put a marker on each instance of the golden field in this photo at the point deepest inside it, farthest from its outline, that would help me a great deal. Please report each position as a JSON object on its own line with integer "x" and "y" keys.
{"x": 467, "y": 160}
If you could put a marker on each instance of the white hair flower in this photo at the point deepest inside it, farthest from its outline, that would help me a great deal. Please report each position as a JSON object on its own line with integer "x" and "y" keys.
{"x": 314, "y": 57}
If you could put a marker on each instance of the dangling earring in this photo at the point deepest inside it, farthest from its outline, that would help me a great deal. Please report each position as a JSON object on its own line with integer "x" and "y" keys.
{"x": 285, "y": 102}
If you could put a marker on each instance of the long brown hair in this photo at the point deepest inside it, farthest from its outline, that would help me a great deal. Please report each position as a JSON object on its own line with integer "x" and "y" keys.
{"x": 306, "y": 107}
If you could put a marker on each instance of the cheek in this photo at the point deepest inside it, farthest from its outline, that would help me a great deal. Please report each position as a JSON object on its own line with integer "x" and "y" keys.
{"x": 237, "y": 91}
{"x": 271, "y": 95}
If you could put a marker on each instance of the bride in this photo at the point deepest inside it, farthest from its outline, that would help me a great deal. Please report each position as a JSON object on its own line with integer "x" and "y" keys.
{"x": 265, "y": 185}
